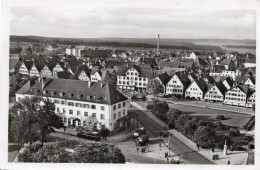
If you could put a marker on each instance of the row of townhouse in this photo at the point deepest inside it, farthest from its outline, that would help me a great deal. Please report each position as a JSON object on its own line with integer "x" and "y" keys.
{"x": 60, "y": 70}
{"x": 75, "y": 101}
{"x": 191, "y": 87}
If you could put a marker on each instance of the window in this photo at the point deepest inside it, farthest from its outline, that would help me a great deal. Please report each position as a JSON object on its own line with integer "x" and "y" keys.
{"x": 93, "y": 106}
{"x": 86, "y": 114}
{"x": 123, "y": 112}
{"x": 114, "y": 115}
{"x": 86, "y": 106}
{"x": 93, "y": 115}
{"x": 71, "y": 104}
{"x": 64, "y": 111}
{"x": 71, "y": 112}
{"x": 78, "y": 113}
{"x": 119, "y": 106}
{"x": 58, "y": 109}
{"x": 102, "y": 116}
{"x": 56, "y": 101}
{"x": 123, "y": 104}
{"x": 119, "y": 114}
{"x": 102, "y": 108}
{"x": 115, "y": 107}
{"x": 62, "y": 102}
{"x": 78, "y": 105}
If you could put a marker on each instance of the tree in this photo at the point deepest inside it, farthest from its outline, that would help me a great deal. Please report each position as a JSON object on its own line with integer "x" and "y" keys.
{"x": 31, "y": 123}
{"x": 51, "y": 152}
{"x": 48, "y": 120}
{"x": 204, "y": 137}
{"x": 160, "y": 109}
{"x": 104, "y": 132}
{"x": 181, "y": 121}
{"x": 172, "y": 116}
{"x": 157, "y": 87}
{"x": 97, "y": 153}
{"x": 190, "y": 127}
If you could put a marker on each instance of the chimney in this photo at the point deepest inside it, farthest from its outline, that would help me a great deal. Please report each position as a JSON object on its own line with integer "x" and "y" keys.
{"x": 43, "y": 79}
{"x": 158, "y": 44}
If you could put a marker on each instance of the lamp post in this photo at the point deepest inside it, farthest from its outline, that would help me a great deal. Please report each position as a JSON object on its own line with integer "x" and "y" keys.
{"x": 169, "y": 148}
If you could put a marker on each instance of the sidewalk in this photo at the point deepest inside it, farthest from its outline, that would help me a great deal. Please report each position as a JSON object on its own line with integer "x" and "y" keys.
{"x": 149, "y": 114}
{"x": 153, "y": 151}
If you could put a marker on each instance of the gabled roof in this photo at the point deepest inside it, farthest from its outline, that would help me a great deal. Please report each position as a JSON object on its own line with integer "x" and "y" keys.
{"x": 183, "y": 78}
{"x": 193, "y": 76}
{"x": 229, "y": 80}
{"x": 210, "y": 79}
{"x": 64, "y": 75}
{"x": 221, "y": 87}
{"x": 202, "y": 62}
{"x": 241, "y": 79}
{"x": 13, "y": 62}
{"x": 202, "y": 84}
{"x": 252, "y": 78}
{"x": 244, "y": 88}
{"x": 95, "y": 93}
{"x": 150, "y": 61}
{"x": 162, "y": 63}
{"x": 95, "y": 53}
{"x": 219, "y": 78}
{"x": 164, "y": 78}
{"x": 39, "y": 66}
{"x": 28, "y": 64}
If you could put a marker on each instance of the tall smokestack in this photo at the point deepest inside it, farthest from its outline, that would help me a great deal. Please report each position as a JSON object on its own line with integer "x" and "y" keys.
{"x": 158, "y": 44}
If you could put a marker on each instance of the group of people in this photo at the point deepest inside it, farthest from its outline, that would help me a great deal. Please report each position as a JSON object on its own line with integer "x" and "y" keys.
{"x": 215, "y": 157}
{"x": 142, "y": 150}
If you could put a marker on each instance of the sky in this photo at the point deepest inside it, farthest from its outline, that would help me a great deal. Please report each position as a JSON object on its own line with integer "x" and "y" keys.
{"x": 132, "y": 22}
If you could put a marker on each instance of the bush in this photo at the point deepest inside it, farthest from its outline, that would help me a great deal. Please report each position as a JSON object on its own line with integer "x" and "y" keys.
{"x": 202, "y": 123}
{"x": 248, "y": 138}
{"x": 234, "y": 132}
{"x": 243, "y": 142}
{"x": 204, "y": 137}
{"x": 220, "y": 117}
{"x": 239, "y": 148}
{"x": 251, "y": 146}
{"x": 144, "y": 98}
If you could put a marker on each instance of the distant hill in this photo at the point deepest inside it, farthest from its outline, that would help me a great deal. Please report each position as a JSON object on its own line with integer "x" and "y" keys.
{"x": 185, "y": 44}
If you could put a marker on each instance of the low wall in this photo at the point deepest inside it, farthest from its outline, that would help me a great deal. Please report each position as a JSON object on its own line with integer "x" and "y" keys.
{"x": 184, "y": 139}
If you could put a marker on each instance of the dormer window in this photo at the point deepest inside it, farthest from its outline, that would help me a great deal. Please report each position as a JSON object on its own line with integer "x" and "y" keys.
{"x": 79, "y": 96}
{"x": 61, "y": 94}
{"x": 53, "y": 93}
{"x": 71, "y": 95}
{"x": 88, "y": 97}
{"x": 45, "y": 91}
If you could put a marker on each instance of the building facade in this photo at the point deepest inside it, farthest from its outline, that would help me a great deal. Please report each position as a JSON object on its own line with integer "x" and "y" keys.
{"x": 236, "y": 96}
{"x": 76, "y": 101}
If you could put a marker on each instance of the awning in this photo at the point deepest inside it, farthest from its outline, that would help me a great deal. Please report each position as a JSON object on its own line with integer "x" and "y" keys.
{"x": 128, "y": 87}
{"x": 132, "y": 88}
{"x": 120, "y": 87}
{"x": 124, "y": 87}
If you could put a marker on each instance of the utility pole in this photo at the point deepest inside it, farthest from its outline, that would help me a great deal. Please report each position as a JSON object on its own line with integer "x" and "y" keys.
{"x": 169, "y": 144}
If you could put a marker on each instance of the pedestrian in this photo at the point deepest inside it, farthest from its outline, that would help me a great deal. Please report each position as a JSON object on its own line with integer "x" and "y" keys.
{"x": 137, "y": 149}
{"x": 165, "y": 155}
{"x": 212, "y": 149}
{"x": 164, "y": 128}
{"x": 198, "y": 146}
{"x": 159, "y": 144}
{"x": 228, "y": 162}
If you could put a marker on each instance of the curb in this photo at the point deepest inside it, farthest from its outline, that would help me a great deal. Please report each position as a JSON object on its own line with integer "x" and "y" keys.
{"x": 110, "y": 140}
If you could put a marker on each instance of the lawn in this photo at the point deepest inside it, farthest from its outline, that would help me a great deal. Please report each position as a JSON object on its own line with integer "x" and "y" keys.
{"x": 231, "y": 118}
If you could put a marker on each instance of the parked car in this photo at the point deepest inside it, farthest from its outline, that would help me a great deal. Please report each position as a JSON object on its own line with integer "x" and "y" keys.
{"x": 89, "y": 135}
{"x": 142, "y": 140}
{"x": 139, "y": 132}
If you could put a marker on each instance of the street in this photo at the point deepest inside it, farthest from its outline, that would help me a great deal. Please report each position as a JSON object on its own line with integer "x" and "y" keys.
{"x": 179, "y": 148}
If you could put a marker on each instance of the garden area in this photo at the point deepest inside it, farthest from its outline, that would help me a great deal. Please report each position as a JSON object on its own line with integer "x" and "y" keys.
{"x": 205, "y": 131}
{"x": 82, "y": 153}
